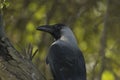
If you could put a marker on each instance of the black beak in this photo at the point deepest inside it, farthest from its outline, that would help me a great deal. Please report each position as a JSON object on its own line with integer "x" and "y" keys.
{"x": 46, "y": 28}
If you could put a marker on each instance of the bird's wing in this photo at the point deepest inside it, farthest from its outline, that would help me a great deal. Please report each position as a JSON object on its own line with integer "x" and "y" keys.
{"x": 65, "y": 62}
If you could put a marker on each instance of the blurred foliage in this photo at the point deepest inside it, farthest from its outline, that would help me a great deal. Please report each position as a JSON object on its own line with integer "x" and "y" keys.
{"x": 95, "y": 24}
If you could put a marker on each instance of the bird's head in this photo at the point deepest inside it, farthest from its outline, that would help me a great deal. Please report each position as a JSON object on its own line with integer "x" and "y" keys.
{"x": 54, "y": 30}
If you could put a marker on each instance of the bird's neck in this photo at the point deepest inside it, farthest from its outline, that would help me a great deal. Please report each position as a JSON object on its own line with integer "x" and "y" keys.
{"x": 68, "y": 36}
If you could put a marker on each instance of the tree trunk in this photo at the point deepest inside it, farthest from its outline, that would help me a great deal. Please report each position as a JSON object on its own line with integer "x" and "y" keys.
{"x": 13, "y": 65}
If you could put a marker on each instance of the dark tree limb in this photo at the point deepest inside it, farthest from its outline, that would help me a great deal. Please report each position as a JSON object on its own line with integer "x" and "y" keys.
{"x": 13, "y": 66}
{"x": 103, "y": 45}
{"x": 1, "y": 26}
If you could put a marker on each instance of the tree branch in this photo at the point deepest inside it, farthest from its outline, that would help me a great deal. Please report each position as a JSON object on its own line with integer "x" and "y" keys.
{"x": 14, "y": 66}
{"x": 103, "y": 44}
{"x": 1, "y": 25}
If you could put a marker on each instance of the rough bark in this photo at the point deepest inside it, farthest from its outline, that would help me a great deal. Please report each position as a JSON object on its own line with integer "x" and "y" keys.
{"x": 13, "y": 65}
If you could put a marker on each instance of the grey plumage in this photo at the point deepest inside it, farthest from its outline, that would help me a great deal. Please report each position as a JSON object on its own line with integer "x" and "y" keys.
{"x": 64, "y": 57}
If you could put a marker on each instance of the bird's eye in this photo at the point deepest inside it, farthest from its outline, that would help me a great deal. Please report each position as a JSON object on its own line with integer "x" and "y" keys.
{"x": 57, "y": 27}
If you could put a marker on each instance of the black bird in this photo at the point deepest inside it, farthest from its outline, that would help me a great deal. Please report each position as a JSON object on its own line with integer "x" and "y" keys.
{"x": 64, "y": 57}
